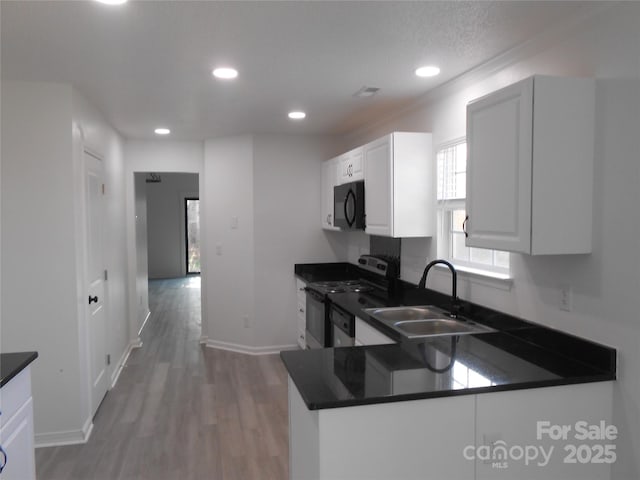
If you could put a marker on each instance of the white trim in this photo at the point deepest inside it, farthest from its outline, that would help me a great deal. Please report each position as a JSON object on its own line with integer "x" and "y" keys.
{"x": 144, "y": 323}
{"x": 487, "y": 278}
{"x": 71, "y": 437}
{"x": 115, "y": 375}
{"x": 248, "y": 350}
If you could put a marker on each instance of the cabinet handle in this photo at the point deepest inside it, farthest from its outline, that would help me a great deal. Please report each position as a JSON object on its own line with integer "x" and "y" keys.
{"x": 301, "y": 310}
{"x": 3, "y": 463}
{"x": 93, "y": 299}
{"x": 464, "y": 226}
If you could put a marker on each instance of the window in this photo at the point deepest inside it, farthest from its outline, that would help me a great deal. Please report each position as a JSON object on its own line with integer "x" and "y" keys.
{"x": 192, "y": 230}
{"x": 451, "y": 160}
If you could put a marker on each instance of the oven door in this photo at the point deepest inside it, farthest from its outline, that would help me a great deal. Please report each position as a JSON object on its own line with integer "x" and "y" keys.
{"x": 316, "y": 319}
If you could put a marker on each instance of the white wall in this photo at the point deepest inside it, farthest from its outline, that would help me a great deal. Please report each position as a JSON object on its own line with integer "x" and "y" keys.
{"x": 101, "y": 139}
{"x": 606, "y": 284}
{"x": 150, "y": 156}
{"x": 39, "y": 309}
{"x": 287, "y": 228}
{"x": 44, "y": 128}
{"x": 270, "y": 183}
{"x": 166, "y": 223}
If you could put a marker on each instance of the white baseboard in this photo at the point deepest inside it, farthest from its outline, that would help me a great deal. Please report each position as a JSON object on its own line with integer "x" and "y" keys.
{"x": 58, "y": 439}
{"x": 123, "y": 360}
{"x": 144, "y": 323}
{"x": 234, "y": 347}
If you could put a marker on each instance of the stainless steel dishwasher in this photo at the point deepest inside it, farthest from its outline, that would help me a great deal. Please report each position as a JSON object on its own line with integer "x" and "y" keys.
{"x": 342, "y": 326}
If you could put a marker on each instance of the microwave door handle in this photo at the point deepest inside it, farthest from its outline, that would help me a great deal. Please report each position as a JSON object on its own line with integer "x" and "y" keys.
{"x": 350, "y": 221}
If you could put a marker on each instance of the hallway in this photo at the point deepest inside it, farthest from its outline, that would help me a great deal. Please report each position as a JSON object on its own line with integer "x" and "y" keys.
{"x": 183, "y": 411}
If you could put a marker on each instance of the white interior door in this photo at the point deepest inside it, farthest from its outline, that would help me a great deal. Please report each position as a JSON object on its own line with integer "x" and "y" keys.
{"x": 95, "y": 278}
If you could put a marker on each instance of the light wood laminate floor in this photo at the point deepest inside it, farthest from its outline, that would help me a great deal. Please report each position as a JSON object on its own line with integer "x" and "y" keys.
{"x": 183, "y": 411}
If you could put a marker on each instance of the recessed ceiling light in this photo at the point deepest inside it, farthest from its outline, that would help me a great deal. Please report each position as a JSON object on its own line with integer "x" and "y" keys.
{"x": 225, "y": 73}
{"x": 428, "y": 71}
{"x": 297, "y": 115}
{"x": 112, "y": 2}
{"x": 162, "y": 131}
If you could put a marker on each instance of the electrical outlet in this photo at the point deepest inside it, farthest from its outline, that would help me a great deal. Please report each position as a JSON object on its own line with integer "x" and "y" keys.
{"x": 246, "y": 321}
{"x": 218, "y": 249}
{"x": 566, "y": 298}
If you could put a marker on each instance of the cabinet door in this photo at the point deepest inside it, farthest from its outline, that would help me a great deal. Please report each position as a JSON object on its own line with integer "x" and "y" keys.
{"x": 499, "y": 163}
{"x": 378, "y": 200}
{"x": 351, "y": 166}
{"x": 367, "y": 335}
{"x": 329, "y": 180}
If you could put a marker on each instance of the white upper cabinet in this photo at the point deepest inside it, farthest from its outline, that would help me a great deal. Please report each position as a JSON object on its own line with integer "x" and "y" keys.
{"x": 351, "y": 166}
{"x": 530, "y": 167}
{"x": 329, "y": 180}
{"x": 400, "y": 185}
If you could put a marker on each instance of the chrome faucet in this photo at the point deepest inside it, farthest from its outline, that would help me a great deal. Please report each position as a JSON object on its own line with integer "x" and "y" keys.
{"x": 455, "y": 307}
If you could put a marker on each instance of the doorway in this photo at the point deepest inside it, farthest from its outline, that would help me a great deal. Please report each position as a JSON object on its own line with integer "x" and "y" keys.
{"x": 161, "y": 240}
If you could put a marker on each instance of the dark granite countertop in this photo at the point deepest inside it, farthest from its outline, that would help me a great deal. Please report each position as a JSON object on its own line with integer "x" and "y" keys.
{"x": 521, "y": 354}
{"x": 11, "y": 364}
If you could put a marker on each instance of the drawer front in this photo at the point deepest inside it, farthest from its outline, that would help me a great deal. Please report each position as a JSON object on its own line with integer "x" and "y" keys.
{"x": 302, "y": 316}
{"x": 302, "y": 340}
{"x": 300, "y": 286}
{"x": 14, "y": 394}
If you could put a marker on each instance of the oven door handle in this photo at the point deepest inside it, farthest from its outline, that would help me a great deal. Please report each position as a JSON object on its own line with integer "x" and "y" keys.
{"x": 315, "y": 295}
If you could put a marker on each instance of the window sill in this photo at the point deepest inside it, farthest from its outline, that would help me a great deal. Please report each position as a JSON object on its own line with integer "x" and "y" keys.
{"x": 502, "y": 281}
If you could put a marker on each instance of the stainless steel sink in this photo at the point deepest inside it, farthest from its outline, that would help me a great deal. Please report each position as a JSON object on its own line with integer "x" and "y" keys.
{"x": 424, "y": 321}
{"x": 395, "y": 314}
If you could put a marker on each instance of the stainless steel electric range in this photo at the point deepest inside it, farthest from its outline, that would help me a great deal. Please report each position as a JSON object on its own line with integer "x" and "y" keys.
{"x": 321, "y": 332}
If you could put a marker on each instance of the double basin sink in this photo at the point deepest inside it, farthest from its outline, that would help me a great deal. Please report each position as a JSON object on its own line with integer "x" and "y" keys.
{"x": 424, "y": 321}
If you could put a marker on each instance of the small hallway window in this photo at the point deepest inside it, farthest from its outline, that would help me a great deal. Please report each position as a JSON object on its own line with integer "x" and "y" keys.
{"x": 192, "y": 229}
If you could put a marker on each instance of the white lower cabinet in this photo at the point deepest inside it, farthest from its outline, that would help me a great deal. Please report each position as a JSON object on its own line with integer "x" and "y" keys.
{"x": 16, "y": 428}
{"x": 301, "y": 313}
{"x": 368, "y": 335}
{"x": 488, "y": 436}
{"x": 421, "y": 439}
{"x": 508, "y": 423}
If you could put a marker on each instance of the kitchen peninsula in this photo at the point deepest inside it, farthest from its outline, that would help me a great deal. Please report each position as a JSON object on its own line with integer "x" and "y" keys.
{"x": 447, "y": 407}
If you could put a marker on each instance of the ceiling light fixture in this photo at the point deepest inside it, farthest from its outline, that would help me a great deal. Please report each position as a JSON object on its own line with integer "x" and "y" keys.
{"x": 225, "y": 73}
{"x": 112, "y": 2}
{"x": 297, "y": 115}
{"x": 162, "y": 131}
{"x": 428, "y": 71}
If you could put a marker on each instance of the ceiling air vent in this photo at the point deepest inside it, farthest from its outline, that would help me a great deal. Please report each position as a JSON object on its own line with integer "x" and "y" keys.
{"x": 365, "y": 92}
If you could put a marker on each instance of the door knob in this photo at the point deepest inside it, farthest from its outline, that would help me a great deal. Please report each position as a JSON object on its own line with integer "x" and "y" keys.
{"x": 93, "y": 299}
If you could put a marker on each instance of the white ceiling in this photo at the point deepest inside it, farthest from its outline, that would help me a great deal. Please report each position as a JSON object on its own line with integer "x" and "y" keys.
{"x": 148, "y": 63}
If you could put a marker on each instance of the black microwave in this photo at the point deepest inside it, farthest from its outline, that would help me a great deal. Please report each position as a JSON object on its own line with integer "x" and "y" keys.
{"x": 348, "y": 206}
